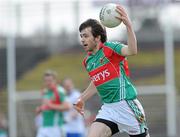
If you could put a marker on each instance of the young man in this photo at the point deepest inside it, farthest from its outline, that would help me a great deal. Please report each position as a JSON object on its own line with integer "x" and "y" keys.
{"x": 53, "y": 104}
{"x": 107, "y": 67}
{"x": 74, "y": 123}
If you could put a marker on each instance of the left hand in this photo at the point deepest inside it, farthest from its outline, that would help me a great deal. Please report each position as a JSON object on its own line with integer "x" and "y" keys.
{"x": 79, "y": 106}
{"x": 123, "y": 16}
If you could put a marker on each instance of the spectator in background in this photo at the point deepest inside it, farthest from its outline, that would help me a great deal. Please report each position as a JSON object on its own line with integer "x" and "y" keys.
{"x": 74, "y": 126}
{"x": 53, "y": 104}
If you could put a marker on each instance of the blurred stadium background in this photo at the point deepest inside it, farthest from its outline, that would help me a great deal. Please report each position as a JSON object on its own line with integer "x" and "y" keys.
{"x": 37, "y": 35}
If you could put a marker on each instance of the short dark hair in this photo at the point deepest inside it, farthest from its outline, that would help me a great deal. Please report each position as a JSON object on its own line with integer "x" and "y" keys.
{"x": 50, "y": 73}
{"x": 96, "y": 27}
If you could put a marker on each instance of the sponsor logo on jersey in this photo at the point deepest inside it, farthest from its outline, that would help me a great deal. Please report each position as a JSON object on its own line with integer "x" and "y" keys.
{"x": 101, "y": 75}
{"x": 104, "y": 73}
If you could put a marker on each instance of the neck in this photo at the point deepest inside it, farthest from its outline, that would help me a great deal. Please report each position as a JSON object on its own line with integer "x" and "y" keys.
{"x": 96, "y": 48}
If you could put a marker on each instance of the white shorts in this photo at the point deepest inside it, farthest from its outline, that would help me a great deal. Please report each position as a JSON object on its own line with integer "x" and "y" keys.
{"x": 128, "y": 115}
{"x": 49, "y": 132}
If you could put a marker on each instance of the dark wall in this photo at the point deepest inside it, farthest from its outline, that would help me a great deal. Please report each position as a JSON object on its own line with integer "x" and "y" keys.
{"x": 26, "y": 59}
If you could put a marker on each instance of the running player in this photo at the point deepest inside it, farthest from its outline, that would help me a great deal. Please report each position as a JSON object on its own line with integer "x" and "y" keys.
{"x": 53, "y": 104}
{"x": 106, "y": 63}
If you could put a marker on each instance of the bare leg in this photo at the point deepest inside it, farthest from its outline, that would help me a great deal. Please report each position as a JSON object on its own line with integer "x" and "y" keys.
{"x": 99, "y": 129}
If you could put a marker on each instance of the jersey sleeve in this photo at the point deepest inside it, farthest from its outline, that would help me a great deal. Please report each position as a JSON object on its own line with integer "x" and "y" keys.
{"x": 116, "y": 47}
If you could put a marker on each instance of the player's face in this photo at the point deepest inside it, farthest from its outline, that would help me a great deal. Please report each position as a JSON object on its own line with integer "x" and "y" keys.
{"x": 68, "y": 85}
{"x": 88, "y": 41}
{"x": 48, "y": 81}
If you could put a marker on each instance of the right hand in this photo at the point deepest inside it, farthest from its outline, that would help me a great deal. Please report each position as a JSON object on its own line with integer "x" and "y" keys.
{"x": 79, "y": 106}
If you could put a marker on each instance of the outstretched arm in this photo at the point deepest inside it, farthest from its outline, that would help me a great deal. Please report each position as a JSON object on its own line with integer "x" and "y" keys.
{"x": 131, "y": 48}
{"x": 50, "y": 105}
{"x": 88, "y": 93}
{"x": 59, "y": 107}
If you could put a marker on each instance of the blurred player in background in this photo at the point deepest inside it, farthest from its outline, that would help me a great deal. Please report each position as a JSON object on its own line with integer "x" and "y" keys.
{"x": 74, "y": 126}
{"x": 107, "y": 66}
{"x": 52, "y": 107}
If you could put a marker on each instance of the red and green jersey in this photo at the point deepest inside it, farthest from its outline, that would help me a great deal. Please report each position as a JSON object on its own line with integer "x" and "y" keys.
{"x": 53, "y": 117}
{"x": 108, "y": 70}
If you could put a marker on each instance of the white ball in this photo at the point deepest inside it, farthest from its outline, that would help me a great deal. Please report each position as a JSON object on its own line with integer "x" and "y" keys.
{"x": 108, "y": 15}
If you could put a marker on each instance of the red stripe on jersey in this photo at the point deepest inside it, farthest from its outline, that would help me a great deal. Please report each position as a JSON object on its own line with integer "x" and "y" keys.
{"x": 56, "y": 94}
{"x": 126, "y": 67}
{"x": 104, "y": 73}
{"x": 112, "y": 55}
{"x": 84, "y": 61}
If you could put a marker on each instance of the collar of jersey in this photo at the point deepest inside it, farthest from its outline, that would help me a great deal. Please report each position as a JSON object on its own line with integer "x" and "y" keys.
{"x": 101, "y": 45}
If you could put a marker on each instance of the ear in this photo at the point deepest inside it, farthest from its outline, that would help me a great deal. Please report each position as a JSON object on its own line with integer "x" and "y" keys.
{"x": 98, "y": 39}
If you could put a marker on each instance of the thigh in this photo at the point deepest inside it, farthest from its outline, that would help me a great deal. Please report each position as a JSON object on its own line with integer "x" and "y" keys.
{"x": 99, "y": 129}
